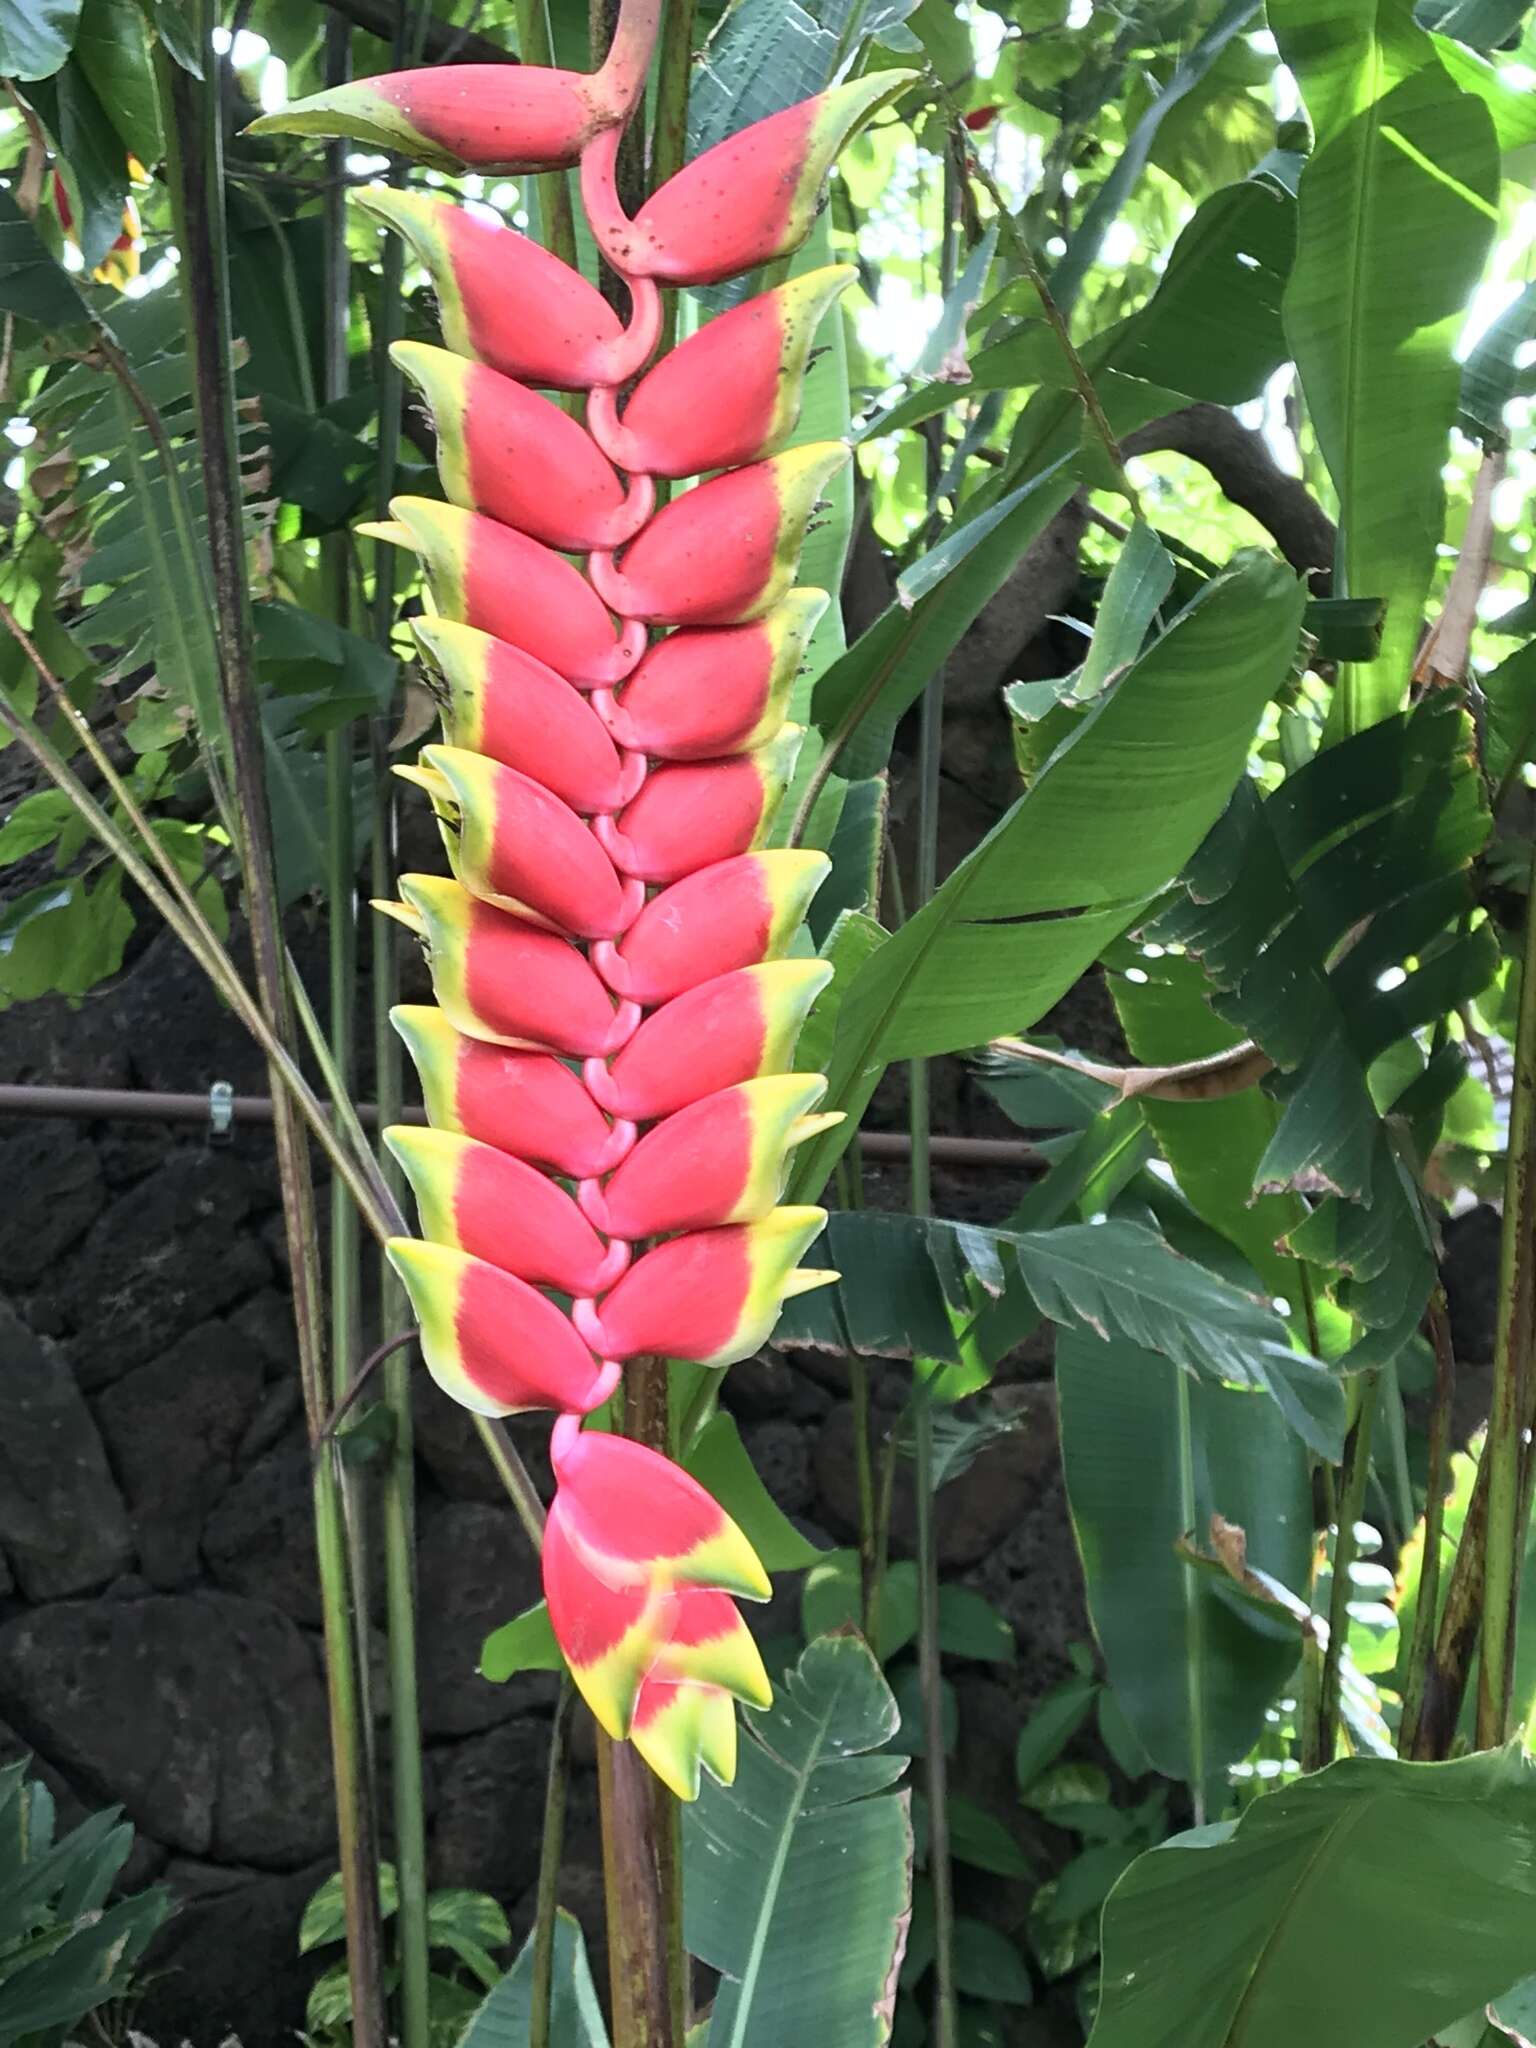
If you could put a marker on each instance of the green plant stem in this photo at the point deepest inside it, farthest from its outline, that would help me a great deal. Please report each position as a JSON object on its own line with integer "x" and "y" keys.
{"x": 930, "y": 1663}
{"x": 551, "y": 1848}
{"x": 341, "y": 894}
{"x": 1194, "y": 1616}
{"x": 1013, "y": 234}
{"x": 514, "y": 1476}
{"x": 1504, "y": 1454}
{"x": 1426, "y": 1612}
{"x": 850, "y": 1191}
{"x": 669, "y": 133}
{"x": 642, "y": 1824}
{"x": 1356, "y": 1470}
{"x": 397, "y": 1502}
{"x": 556, "y": 221}
{"x": 195, "y": 177}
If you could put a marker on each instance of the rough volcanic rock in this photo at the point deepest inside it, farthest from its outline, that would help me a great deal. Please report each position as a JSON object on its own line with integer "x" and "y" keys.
{"x": 781, "y": 1452}
{"x": 260, "y": 1539}
{"x": 266, "y": 1322}
{"x": 768, "y": 1388}
{"x": 973, "y": 1516}
{"x": 475, "y": 1569}
{"x": 227, "y": 1961}
{"x": 57, "y": 1192}
{"x": 146, "y": 1859}
{"x": 449, "y": 1445}
{"x": 62, "y": 1520}
{"x": 202, "y": 1714}
{"x": 167, "y": 1255}
{"x": 171, "y": 1429}
{"x": 490, "y": 1809}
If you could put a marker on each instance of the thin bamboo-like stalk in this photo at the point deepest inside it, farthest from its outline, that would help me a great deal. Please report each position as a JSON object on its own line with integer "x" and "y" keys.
{"x": 1505, "y": 1454}
{"x": 930, "y": 1663}
{"x": 551, "y": 1849}
{"x": 555, "y": 214}
{"x": 1426, "y": 1613}
{"x": 1355, "y": 1472}
{"x": 341, "y": 900}
{"x": 398, "y": 1484}
{"x": 195, "y": 172}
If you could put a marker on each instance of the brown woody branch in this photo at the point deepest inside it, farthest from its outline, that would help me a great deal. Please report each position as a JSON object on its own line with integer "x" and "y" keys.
{"x": 443, "y": 43}
{"x": 1239, "y": 460}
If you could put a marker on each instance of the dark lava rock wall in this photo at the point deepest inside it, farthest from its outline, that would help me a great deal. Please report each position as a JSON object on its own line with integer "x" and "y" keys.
{"x": 159, "y": 1622}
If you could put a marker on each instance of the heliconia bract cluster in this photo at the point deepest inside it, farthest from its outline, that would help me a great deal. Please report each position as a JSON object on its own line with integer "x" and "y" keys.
{"x": 607, "y": 1070}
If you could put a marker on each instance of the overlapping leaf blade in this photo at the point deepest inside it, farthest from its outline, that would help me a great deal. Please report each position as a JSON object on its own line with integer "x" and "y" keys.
{"x": 1396, "y": 209}
{"x": 1328, "y": 918}
{"x": 1146, "y": 1463}
{"x": 798, "y": 1878}
{"x": 576, "y": 2019}
{"x": 1110, "y": 819}
{"x": 1333, "y": 1896}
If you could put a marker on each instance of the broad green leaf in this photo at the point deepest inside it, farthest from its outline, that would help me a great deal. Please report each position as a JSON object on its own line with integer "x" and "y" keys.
{"x": 32, "y": 285}
{"x": 36, "y": 36}
{"x": 1150, "y": 1455}
{"x": 970, "y": 1626}
{"x": 1138, "y": 583}
{"x": 34, "y": 823}
{"x": 987, "y": 1964}
{"x": 1332, "y": 1896}
{"x": 1330, "y": 947}
{"x": 1484, "y": 24}
{"x": 1489, "y": 376}
{"x": 1512, "y": 108}
{"x": 906, "y": 1284}
{"x": 91, "y": 159}
{"x": 1125, "y": 1284}
{"x": 1051, "y": 1727}
{"x": 576, "y": 2019}
{"x": 832, "y": 1599}
{"x": 846, "y": 947}
{"x": 717, "y": 1459}
{"x": 526, "y": 1643}
{"x": 862, "y": 696}
{"x": 63, "y": 937}
{"x": 1111, "y": 818}
{"x": 325, "y": 1916}
{"x": 1511, "y": 694}
{"x": 1087, "y": 237}
{"x": 1396, "y": 209}
{"x": 810, "y": 1821}
{"x": 88, "y": 1968}
{"x": 856, "y": 849}
{"x": 1212, "y": 328}
{"x": 112, "y": 50}
{"x": 944, "y": 352}
{"x": 1213, "y": 1147}
{"x": 980, "y": 1839}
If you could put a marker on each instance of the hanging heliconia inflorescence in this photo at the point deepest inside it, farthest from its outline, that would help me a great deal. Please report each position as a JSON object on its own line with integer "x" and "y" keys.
{"x": 615, "y": 1005}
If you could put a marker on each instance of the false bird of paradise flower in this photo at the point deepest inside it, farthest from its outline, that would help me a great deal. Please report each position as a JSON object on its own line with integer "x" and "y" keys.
{"x": 608, "y": 1070}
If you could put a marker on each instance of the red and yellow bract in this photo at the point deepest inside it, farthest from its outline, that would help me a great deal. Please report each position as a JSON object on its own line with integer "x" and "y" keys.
{"x": 604, "y": 797}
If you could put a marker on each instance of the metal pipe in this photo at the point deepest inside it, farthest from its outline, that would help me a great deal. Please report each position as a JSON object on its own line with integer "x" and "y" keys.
{"x": 144, "y": 1105}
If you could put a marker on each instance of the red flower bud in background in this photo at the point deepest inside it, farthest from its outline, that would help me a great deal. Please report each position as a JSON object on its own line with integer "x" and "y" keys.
{"x": 614, "y": 1004}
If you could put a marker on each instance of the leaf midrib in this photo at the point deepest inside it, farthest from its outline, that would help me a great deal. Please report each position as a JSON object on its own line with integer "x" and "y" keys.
{"x": 1335, "y": 1834}
{"x": 800, "y": 1781}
